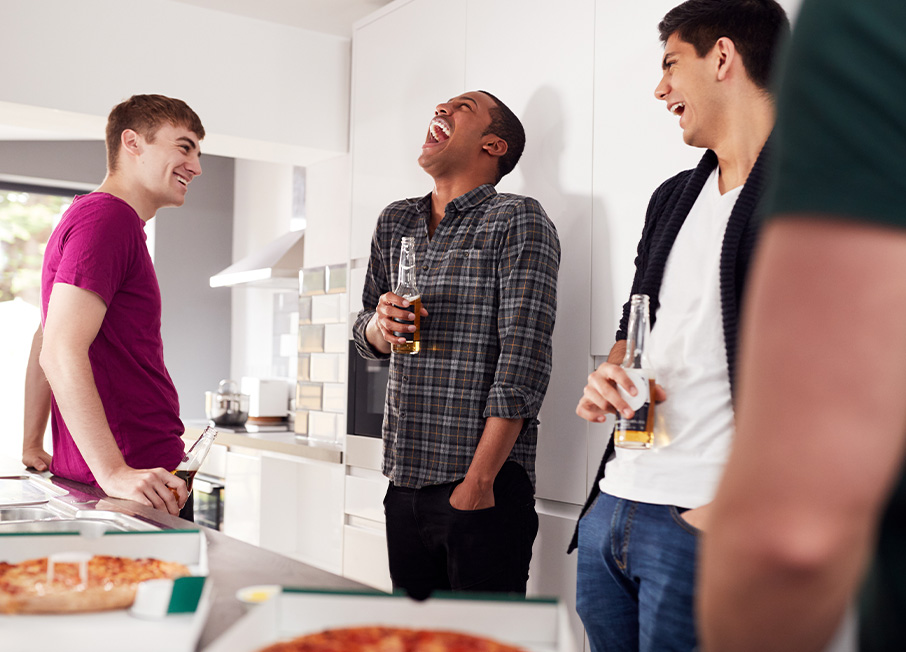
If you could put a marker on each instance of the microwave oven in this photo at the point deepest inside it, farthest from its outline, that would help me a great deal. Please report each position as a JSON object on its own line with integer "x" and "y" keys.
{"x": 367, "y": 388}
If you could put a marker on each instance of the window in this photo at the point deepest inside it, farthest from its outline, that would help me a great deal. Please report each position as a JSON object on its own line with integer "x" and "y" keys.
{"x": 28, "y": 214}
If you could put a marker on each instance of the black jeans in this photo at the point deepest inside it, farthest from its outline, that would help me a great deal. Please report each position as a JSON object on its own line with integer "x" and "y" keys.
{"x": 433, "y": 546}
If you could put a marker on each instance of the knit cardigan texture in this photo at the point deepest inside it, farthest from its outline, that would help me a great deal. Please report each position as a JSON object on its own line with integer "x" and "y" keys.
{"x": 667, "y": 210}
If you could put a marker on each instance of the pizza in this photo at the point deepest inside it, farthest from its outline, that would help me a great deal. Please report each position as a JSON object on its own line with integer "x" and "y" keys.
{"x": 103, "y": 583}
{"x": 389, "y": 639}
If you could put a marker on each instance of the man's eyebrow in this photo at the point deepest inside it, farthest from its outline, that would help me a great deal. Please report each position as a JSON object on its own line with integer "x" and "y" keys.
{"x": 667, "y": 55}
{"x": 466, "y": 97}
{"x": 188, "y": 140}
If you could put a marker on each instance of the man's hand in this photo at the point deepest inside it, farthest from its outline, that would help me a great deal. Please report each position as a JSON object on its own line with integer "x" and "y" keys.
{"x": 36, "y": 458}
{"x": 392, "y": 306}
{"x": 468, "y": 496}
{"x": 699, "y": 517}
{"x": 602, "y": 397}
{"x": 154, "y": 487}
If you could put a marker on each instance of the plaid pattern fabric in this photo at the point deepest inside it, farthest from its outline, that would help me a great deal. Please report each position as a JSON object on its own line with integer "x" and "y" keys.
{"x": 488, "y": 279}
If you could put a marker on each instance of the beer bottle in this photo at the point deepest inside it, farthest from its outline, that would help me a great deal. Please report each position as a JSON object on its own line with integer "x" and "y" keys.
{"x": 193, "y": 458}
{"x": 638, "y": 431}
{"x": 406, "y": 289}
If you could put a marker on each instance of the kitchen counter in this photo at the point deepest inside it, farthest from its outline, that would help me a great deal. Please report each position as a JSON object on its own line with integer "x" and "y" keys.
{"x": 286, "y": 442}
{"x": 232, "y": 563}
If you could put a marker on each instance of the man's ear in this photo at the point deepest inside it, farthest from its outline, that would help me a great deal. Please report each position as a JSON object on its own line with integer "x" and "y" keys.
{"x": 131, "y": 141}
{"x": 726, "y": 54}
{"x": 494, "y": 145}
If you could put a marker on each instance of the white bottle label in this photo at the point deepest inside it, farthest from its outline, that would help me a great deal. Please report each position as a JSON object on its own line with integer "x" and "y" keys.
{"x": 639, "y": 378}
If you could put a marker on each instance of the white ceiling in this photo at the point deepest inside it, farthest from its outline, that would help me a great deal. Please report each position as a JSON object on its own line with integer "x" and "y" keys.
{"x": 330, "y": 16}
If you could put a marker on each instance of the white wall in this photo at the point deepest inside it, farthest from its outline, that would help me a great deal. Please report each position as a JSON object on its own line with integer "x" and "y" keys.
{"x": 264, "y": 91}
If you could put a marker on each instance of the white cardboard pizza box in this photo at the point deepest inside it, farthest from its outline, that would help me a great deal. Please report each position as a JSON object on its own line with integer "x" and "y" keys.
{"x": 534, "y": 624}
{"x": 112, "y": 630}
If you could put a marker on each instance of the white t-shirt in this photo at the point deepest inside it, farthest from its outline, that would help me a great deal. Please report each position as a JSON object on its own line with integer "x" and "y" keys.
{"x": 689, "y": 358}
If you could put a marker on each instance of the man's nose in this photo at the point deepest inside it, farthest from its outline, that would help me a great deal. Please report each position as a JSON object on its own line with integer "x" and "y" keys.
{"x": 195, "y": 166}
{"x": 662, "y": 89}
{"x": 442, "y": 109}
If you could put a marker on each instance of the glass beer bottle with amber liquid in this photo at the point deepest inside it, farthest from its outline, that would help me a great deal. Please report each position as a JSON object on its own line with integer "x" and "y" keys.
{"x": 406, "y": 289}
{"x": 193, "y": 458}
{"x": 637, "y": 431}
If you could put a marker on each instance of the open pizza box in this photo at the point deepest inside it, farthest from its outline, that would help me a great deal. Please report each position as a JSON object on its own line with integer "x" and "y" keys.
{"x": 171, "y": 619}
{"x": 533, "y": 624}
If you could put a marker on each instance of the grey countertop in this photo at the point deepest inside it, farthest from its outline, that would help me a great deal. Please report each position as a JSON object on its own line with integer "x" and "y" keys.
{"x": 232, "y": 564}
{"x": 286, "y": 442}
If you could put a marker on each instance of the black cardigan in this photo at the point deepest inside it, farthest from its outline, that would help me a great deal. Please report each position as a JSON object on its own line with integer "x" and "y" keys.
{"x": 667, "y": 210}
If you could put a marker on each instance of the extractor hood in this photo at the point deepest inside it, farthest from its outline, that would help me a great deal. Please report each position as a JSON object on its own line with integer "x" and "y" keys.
{"x": 276, "y": 265}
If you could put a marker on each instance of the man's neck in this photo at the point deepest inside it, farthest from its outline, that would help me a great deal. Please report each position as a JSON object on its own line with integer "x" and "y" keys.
{"x": 748, "y": 128}
{"x": 114, "y": 185}
{"x": 445, "y": 191}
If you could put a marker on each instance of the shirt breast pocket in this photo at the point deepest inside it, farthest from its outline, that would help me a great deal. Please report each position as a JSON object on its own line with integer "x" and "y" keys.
{"x": 466, "y": 278}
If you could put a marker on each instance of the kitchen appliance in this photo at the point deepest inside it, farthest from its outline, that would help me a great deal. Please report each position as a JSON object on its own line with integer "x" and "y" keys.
{"x": 268, "y": 397}
{"x": 226, "y": 406}
{"x": 366, "y": 391}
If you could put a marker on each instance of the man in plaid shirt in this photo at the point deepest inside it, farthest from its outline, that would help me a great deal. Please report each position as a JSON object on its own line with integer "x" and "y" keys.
{"x": 460, "y": 427}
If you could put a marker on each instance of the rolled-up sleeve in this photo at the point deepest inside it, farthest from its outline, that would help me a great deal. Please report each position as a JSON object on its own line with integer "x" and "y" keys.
{"x": 527, "y": 284}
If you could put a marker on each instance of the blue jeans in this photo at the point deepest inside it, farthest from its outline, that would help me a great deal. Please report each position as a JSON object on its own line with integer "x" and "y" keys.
{"x": 636, "y": 578}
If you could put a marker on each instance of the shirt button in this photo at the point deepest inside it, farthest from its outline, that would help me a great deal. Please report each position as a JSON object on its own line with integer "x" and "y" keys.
{"x": 465, "y": 255}
{"x": 405, "y": 377}
{"x": 402, "y": 414}
{"x": 425, "y": 267}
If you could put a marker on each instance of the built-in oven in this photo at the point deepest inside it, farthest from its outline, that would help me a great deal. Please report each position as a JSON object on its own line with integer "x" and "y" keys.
{"x": 208, "y": 501}
{"x": 367, "y": 386}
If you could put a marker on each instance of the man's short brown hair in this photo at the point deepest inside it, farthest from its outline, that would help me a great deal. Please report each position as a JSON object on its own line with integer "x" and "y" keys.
{"x": 145, "y": 114}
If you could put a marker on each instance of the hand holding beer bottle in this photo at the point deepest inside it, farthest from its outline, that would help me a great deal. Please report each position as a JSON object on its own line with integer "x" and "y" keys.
{"x": 611, "y": 388}
{"x": 398, "y": 313}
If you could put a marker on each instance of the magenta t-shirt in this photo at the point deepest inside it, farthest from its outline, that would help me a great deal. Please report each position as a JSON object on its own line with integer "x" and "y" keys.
{"x": 100, "y": 245}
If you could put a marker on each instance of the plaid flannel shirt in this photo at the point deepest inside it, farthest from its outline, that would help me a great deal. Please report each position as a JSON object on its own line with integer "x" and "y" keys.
{"x": 488, "y": 279}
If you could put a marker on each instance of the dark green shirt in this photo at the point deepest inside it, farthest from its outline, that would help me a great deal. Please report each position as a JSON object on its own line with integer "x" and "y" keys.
{"x": 841, "y": 150}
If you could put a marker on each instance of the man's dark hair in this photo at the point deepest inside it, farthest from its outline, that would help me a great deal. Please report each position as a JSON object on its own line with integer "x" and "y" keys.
{"x": 756, "y": 28}
{"x": 507, "y": 126}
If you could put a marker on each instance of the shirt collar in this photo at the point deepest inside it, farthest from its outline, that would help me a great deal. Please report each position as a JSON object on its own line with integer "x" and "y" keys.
{"x": 465, "y": 201}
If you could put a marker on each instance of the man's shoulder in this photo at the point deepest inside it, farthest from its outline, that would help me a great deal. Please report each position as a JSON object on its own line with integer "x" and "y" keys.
{"x": 505, "y": 203}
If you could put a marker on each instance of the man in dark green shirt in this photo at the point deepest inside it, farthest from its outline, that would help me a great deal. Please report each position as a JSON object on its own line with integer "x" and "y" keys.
{"x": 813, "y": 502}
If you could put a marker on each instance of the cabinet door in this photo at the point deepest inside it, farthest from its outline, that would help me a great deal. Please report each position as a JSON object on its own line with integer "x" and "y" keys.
{"x": 405, "y": 61}
{"x": 242, "y": 497}
{"x": 553, "y": 572}
{"x": 548, "y": 82}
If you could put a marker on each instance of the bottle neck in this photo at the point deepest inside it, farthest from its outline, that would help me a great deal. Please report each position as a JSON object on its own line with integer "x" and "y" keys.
{"x": 406, "y": 275}
{"x": 637, "y": 337}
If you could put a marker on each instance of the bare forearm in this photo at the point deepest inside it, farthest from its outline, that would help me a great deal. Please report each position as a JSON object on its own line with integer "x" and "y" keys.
{"x": 374, "y": 336}
{"x": 818, "y": 441}
{"x": 37, "y": 399}
{"x": 494, "y": 447}
{"x": 72, "y": 382}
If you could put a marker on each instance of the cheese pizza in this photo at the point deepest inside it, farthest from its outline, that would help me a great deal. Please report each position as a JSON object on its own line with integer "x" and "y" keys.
{"x": 99, "y": 584}
{"x": 389, "y": 639}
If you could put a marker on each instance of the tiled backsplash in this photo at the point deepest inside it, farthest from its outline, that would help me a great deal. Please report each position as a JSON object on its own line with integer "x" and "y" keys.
{"x": 321, "y": 384}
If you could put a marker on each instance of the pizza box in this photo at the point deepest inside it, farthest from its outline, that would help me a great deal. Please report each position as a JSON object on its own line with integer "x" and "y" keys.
{"x": 156, "y": 629}
{"x": 533, "y": 624}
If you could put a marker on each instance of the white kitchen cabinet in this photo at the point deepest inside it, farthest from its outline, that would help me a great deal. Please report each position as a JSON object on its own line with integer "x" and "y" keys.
{"x": 548, "y": 83}
{"x": 407, "y": 58}
{"x": 553, "y": 572}
{"x": 364, "y": 534}
{"x": 288, "y": 504}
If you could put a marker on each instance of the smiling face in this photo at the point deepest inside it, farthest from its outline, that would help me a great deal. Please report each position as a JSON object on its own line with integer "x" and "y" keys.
{"x": 689, "y": 88}
{"x": 167, "y": 164}
{"x": 456, "y": 135}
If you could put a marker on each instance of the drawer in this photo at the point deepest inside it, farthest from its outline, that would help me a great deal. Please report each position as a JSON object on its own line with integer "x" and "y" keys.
{"x": 365, "y": 557}
{"x": 365, "y": 496}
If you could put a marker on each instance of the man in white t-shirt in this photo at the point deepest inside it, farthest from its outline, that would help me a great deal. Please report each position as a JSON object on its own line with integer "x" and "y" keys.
{"x": 638, "y": 535}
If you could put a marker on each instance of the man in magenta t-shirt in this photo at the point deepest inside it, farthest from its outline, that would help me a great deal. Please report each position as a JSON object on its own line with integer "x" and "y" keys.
{"x": 115, "y": 411}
